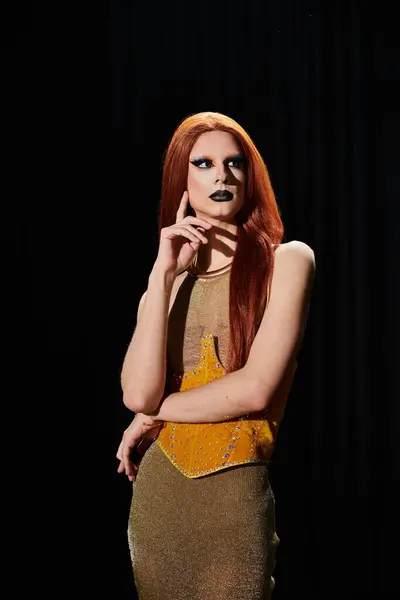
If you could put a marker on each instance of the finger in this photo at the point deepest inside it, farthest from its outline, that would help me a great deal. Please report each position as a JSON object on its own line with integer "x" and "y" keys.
{"x": 126, "y": 457}
{"x": 189, "y": 232}
{"x": 119, "y": 451}
{"x": 132, "y": 477}
{"x": 196, "y": 221}
{"x": 196, "y": 232}
{"x": 121, "y": 469}
{"x": 176, "y": 231}
{"x": 131, "y": 471}
{"x": 195, "y": 245}
{"x": 181, "y": 212}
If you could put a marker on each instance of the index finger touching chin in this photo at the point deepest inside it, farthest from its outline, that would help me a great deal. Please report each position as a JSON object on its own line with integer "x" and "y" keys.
{"x": 181, "y": 212}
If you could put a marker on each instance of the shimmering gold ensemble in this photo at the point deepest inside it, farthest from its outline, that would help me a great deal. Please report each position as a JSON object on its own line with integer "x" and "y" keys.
{"x": 202, "y": 519}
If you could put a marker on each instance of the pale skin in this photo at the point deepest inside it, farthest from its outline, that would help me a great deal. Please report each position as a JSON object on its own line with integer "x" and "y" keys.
{"x": 275, "y": 347}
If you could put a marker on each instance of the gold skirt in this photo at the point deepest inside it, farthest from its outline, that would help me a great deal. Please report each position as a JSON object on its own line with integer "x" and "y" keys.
{"x": 208, "y": 538}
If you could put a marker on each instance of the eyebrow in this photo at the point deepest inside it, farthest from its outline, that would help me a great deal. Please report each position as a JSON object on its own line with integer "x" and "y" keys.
{"x": 238, "y": 156}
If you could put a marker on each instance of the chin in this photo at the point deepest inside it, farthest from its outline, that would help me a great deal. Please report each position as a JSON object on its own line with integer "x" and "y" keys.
{"x": 224, "y": 211}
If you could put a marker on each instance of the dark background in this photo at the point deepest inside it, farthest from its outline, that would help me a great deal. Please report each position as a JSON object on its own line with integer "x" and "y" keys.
{"x": 89, "y": 105}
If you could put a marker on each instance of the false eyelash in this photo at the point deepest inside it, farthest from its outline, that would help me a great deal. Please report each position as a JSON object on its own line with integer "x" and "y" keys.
{"x": 239, "y": 161}
{"x": 198, "y": 161}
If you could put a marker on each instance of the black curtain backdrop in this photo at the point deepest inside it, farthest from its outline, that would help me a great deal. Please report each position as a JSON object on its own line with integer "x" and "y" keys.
{"x": 314, "y": 84}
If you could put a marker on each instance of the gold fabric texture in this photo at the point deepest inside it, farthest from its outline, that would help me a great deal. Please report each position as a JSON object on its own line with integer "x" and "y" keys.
{"x": 197, "y": 349}
{"x": 199, "y": 530}
{"x": 198, "y": 305}
{"x": 208, "y": 538}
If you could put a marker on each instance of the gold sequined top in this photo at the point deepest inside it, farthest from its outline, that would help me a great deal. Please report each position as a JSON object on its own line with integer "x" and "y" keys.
{"x": 198, "y": 338}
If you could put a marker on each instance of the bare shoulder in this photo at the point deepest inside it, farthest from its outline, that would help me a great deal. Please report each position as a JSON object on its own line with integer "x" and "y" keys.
{"x": 294, "y": 269}
{"x": 296, "y": 250}
{"x": 295, "y": 256}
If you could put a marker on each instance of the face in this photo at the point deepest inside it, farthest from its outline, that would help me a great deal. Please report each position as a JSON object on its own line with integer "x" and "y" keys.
{"x": 216, "y": 164}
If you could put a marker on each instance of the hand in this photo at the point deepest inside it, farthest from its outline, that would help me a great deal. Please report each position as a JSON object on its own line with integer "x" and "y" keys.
{"x": 132, "y": 436}
{"x": 180, "y": 242}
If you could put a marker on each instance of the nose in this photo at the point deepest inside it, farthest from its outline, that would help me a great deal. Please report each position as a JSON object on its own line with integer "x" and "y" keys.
{"x": 221, "y": 174}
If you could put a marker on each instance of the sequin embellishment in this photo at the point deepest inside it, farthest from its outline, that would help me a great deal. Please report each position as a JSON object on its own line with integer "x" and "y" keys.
{"x": 246, "y": 439}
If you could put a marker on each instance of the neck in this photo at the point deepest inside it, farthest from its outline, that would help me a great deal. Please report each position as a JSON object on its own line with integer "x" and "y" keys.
{"x": 220, "y": 250}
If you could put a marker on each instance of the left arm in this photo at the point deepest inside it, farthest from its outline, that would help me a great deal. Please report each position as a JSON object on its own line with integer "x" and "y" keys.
{"x": 273, "y": 351}
{"x": 231, "y": 396}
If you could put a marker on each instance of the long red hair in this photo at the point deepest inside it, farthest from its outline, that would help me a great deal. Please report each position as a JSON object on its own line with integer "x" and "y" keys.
{"x": 260, "y": 228}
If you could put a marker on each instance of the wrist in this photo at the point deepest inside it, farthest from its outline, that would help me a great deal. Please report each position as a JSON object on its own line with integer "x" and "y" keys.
{"x": 154, "y": 417}
{"x": 159, "y": 276}
{"x": 148, "y": 421}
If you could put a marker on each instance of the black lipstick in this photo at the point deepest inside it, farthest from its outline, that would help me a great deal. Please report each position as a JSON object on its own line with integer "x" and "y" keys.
{"x": 221, "y": 196}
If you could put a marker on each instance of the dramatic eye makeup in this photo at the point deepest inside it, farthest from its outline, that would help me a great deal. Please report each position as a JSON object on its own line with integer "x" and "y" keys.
{"x": 238, "y": 161}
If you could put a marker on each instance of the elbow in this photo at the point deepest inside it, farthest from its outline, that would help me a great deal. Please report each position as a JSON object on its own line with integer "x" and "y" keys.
{"x": 267, "y": 392}
{"x": 264, "y": 394}
{"x": 129, "y": 402}
{"x": 137, "y": 404}
{"x": 259, "y": 400}
{"x": 254, "y": 391}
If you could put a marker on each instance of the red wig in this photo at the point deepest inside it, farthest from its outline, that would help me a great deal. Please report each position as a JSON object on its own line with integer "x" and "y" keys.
{"x": 260, "y": 228}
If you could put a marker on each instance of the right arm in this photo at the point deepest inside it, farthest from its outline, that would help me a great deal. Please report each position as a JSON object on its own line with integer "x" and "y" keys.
{"x": 144, "y": 368}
